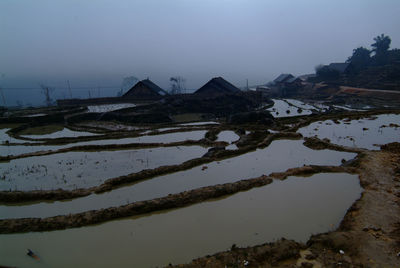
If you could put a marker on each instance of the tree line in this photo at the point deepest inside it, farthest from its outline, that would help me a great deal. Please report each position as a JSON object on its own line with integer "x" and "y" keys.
{"x": 364, "y": 58}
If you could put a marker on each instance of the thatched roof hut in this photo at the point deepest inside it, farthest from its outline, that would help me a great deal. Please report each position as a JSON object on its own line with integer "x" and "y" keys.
{"x": 145, "y": 89}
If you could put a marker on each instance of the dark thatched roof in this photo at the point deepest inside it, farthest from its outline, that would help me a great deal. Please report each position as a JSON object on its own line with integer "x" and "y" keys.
{"x": 217, "y": 85}
{"x": 292, "y": 80}
{"x": 283, "y": 78}
{"x": 151, "y": 88}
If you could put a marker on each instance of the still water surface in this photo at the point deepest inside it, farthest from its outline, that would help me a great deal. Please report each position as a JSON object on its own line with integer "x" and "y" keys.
{"x": 294, "y": 209}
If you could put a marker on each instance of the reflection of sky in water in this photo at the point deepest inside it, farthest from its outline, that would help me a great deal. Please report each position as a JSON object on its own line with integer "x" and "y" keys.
{"x": 279, "y": 156}
{"x": 294, "y": 209}
{"x": 362, "y": 133}
{"x": 108, "y": 107}
{"x": 228, "y": 136}
{"x": 281, "y": 107}
{"x": 65, "y": 133}
{"x": 163, "y": 138}
{"x": 85, "y": 169}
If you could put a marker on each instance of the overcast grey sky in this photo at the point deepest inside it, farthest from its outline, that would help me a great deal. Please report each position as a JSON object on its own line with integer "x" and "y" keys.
{"x": 103, "y": 41}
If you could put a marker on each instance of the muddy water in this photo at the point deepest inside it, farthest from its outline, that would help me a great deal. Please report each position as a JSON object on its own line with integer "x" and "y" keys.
{"x": 85, "y": 169}
{"x": 294, "y": 209}
{"x": 65, "y": 133}
{"x": 279, "y": 156}
{"x": 364, "y": 133}
{"x": 163, "y": 138}
{"x": 228, "y": 136}
{"x": 108, "y": 107}
{"x": 282, "y": 109}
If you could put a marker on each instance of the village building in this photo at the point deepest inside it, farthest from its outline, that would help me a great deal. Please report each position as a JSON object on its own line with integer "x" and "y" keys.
{"x": 145, "y": 90}
{"x": 282, "y": 78}
{"x": 217, "y": 86}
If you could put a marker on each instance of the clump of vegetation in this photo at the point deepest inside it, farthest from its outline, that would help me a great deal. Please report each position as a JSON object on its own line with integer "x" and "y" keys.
{"x": 378, "y": 67}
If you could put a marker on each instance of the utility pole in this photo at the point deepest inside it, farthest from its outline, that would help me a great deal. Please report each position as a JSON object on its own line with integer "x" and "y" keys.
{"x": 247, "y": 83}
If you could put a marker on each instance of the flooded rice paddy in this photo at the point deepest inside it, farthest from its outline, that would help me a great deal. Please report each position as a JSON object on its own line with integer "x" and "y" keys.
{"x": 65, "y": 133}
{"x": 278, "y": 157}
{"x": 5, "y": 138}
{"x": 108, "y": 107}
{"x": 228, "y": 136}
{"x": 162, "y": 138}
{"x": 294, "y": 208}
{"x": 369, "y": 133}
{"x": 287, "y": 108}
{"x": 73, "y": 170}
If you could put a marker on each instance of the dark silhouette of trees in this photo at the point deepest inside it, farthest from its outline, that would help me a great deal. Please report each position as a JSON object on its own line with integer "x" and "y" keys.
{"x": 326, "y": 73}
{"x": 381, "y": 45}
{"x": 360, "y": 59}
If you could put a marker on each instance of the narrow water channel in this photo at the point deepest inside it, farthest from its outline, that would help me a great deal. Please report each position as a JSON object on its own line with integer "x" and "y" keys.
{"x": 294, "y": 209}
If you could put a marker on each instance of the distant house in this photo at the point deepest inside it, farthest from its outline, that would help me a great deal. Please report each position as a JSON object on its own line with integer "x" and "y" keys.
{"x": 145, "y": 89}
{"x": 283, "y": 78}
{"x": 217, "y": 86}
{"x": 293, "y": 81}
{"x": 267, "y": 91}
{"x": 264, "y": 89}
{"x": 305, "y": 77}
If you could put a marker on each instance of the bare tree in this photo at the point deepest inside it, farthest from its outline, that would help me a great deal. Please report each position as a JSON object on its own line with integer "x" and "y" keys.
{"x": 46, "y": 91}
{"x": 127, "y": 83}
{"x": 177, "y": 84}
{"x": 2, "y": 96}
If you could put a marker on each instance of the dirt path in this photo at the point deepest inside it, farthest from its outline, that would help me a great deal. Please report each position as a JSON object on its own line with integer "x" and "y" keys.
{"x": 357, "y": 89}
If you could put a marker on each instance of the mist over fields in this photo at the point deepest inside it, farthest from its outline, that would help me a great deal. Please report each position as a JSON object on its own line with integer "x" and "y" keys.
{"x": 94, "y": 45}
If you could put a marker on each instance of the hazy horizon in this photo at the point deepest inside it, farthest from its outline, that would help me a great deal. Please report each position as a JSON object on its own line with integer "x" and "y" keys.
{"x": 97, "y": 44}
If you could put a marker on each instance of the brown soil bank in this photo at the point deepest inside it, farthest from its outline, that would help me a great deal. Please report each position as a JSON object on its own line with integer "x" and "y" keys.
{"x": 369, "y": 235}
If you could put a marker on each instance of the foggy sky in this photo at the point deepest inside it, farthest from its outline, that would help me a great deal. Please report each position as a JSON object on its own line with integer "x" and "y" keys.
{"x": 102, "y": 41}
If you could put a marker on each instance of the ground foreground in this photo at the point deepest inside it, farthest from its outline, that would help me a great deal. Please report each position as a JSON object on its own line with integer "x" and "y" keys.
{"x": 368, "y": 236}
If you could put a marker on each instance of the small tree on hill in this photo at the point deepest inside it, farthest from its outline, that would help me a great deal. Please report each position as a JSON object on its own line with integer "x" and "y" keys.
{"x": 46, "y": 91}
{"x": 127, "y": 83}
{"x": 360, "y": 59}
{"x": 382, "y": 44}
{"x": 381, "y": 47}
